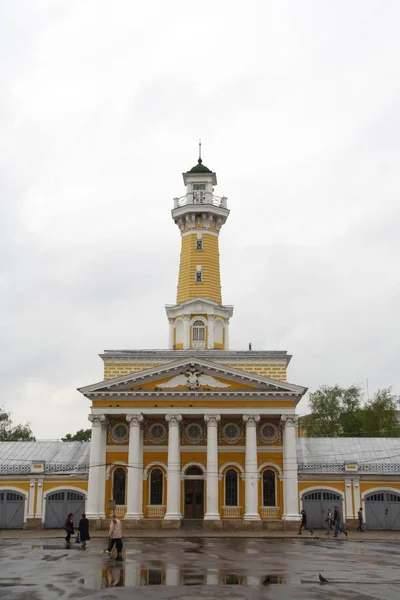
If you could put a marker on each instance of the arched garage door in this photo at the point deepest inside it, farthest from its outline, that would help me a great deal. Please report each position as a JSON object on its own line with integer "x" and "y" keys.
{"x": 316, "y": 505}
{"x": 12, "y": 510}
{"x": 60, "y": 504}
{"x": 382, "y": 510}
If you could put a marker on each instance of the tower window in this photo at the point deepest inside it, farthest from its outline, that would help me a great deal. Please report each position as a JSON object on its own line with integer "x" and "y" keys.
{"x": 199, "y": 331}
{"x": 198, "y": 277}
{"x": 199, "y": 244}
{"x": 199, "y": 193}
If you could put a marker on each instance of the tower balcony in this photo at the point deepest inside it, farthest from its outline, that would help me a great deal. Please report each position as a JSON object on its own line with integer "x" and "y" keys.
{"x": 201, "y": 198}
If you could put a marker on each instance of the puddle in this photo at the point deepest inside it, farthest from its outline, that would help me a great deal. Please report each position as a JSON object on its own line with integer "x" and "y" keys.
{"x": 136, "y": 575}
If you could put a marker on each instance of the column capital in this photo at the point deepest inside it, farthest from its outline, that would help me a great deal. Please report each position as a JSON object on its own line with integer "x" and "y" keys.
{"x": 135, "y": 420}
{"x": 186, "y": 317}
{"x": 212, "y": 420}
{"x": 171, "y": 320}
{"x": 173, "y": 419}
{"x": 211, "y": 317}
{"x": 97, "y": 420}
{"x": 289, "y": 420}
{"x": 251, "y": 420}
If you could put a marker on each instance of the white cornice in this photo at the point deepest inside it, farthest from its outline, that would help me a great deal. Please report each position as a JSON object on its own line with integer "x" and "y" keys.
{"x": 219, "y": 356}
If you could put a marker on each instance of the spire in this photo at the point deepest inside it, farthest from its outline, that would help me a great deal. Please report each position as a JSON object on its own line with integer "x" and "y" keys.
{"x": 200, "y": 160}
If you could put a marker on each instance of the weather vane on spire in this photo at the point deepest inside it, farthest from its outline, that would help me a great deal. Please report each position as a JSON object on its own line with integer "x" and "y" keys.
{"x": 200, "y": 160}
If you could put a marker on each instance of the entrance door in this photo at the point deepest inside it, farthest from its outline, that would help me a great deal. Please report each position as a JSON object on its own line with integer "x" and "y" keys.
{"x": 60, "y": 504}
{"x": 11, "y": 510}
{"x": 316, "y": 505}
{"x": 382, "y": 511}
{"x": 194, "y": 498}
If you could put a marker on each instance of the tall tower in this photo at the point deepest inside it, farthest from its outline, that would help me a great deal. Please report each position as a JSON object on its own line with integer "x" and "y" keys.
{"x": 199, "y": 320}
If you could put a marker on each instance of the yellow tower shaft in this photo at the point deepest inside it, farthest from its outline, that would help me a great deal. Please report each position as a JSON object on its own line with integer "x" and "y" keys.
{"x": 207, "y": 258}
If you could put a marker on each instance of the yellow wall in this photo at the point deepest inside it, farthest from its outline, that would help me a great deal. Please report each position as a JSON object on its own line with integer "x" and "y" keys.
{"x": 208, "y": 258}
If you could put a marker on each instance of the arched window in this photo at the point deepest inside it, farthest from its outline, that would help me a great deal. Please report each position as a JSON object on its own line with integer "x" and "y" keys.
{"x": 199, "y": 331}
{"x": 156, "y": 487}
{"x": 231, "y": 488}
{"x": 119, "y": 487}
{"x": 268, "y": 480}
{"x": 194, "y": 471}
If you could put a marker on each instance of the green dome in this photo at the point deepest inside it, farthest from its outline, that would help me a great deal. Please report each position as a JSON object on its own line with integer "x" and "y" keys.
{"x": 199, "y": 168}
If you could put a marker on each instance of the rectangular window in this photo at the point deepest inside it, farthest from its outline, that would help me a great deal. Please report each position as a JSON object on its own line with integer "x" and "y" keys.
{"x": 199, "y": 244}
{"x": 199, "y": 193}
{"x": 198, "y": 277}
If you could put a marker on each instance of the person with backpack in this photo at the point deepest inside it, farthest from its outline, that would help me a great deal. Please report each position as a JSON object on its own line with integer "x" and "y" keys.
{"x": 338, "y": 523}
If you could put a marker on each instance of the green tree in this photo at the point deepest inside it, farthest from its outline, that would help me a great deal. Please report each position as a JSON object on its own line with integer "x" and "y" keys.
{"x": 379, "y": 415}
{"x": 10, "y": 433}
{"x": 334, "y": 411}
{"x": 82, "y": 435}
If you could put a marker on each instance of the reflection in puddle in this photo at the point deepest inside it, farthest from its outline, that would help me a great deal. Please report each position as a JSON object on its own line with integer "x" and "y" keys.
{"x": 133, "y": 574}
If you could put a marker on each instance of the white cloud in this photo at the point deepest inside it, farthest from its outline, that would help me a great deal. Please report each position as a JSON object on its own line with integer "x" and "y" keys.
{"x": 100, "y": 112}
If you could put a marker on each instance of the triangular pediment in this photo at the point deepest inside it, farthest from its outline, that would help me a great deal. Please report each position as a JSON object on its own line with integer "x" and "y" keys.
{"x": 192, "y": 375}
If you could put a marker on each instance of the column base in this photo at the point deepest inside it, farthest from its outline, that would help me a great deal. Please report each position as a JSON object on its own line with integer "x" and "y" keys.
{"x": 33, "y": 523}
{"x": 251, "y": 517}
{"x": 212, "y": 517}
{"x": 171, "y": 523}
{"x": 133, "y": 516}
{"x": 291, "y": 517}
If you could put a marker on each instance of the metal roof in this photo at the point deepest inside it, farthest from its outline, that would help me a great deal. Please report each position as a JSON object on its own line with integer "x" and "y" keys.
{"x": 329, "y": 455}
{"x": 17, "y": 457}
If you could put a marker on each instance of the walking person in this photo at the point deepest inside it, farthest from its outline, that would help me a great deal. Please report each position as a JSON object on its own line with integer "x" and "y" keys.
{"x": 360, "y": 520}
{"x": 303, "y": 523}
{"x": 338, "y": 523}
{"x": 69, "y": 527}
{"x": 115, "y": 535}
{"x": 328, "y": 522}
{"x": 83, "y": 529}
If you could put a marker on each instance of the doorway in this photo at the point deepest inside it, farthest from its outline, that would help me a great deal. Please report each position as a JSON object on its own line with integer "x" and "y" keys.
{"x": 194, "y": 499}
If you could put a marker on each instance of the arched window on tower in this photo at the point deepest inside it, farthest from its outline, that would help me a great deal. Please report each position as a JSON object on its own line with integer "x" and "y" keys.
{"x": 199, "y": 334}
{"x": 269, "y": 495}
{"x": 231, "y": 488}
{"x": 156, "y": 487}
{"x": 119, "y": 487}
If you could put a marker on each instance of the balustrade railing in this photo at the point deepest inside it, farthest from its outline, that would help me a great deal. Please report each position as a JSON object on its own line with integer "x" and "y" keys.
{"x": 269, "y": 512}
{"x": 205, "y": 198}
{"x": 232, "y": 512}
{"x": 155, "y": 511}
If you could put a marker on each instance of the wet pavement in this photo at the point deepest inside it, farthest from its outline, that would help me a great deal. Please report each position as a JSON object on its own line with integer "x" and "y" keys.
{"x": 186, "y": 569}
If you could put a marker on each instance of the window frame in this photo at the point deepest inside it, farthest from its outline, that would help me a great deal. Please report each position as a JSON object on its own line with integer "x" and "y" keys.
{"x": 113, "y": 485}
{"x": 274, "y": 488}
{"x": 229, "y": 470}
{"x": 151, "y": 503}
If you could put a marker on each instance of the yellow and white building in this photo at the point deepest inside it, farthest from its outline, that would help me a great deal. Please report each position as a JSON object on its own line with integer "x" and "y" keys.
{"x": 199, "y": 431}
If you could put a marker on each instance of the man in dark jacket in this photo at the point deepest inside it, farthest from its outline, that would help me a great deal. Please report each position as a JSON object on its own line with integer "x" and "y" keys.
{"x": 303, "y": 522}
{"x": 338, "y": 523}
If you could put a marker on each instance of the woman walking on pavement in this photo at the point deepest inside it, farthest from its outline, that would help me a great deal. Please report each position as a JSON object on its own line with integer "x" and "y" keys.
{"x": 360, "y": 520}
{"x": 303, "y": 522}
{"x": 69, "y": 527}
{"x": 83, "y": 529}
{"x": 115, "y": 537}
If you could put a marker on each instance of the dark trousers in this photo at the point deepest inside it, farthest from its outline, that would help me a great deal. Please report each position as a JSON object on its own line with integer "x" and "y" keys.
{"x": 118, "y": 544}
{"x": 360, "y": 525}
{"x": 304, "y": 526}
{"x": 68, "y": 536}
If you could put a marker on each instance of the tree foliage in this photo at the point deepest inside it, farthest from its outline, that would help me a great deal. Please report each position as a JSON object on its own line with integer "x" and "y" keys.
{"x": 338, "y": 411}
{"x": 13, "y": 433}
{"x": 82, "y": 435}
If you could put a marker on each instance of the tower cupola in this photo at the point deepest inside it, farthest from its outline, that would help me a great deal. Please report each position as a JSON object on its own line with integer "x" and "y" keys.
{"x": 199, "y": 320}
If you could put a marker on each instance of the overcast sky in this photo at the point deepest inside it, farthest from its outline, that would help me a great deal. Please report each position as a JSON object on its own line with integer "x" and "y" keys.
{"x": 101, "y": 107}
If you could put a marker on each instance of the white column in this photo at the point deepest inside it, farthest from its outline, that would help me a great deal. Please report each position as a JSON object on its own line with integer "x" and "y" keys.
{"x": 212, "y": 512}
{"x": 140, "y": 489}
{"x": 174, "y": 469}
{"x": 171, "y": 333}
{"x": 210, "y": 336}
{"x": 135, "y": 473}
{"x": 290, "y": 479}
{"x": 39, "y": 500}
{"x": 212, "y": 577}
{"x": 186, "y": 332}
{"x": 251, "y": 469}
{"x": 31, "y": 500}
{"x": 356, "y": 496}
{"x": 348, "y": 499}
{"x": 226, "y": 335}
{"x": 96, "y": 482}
